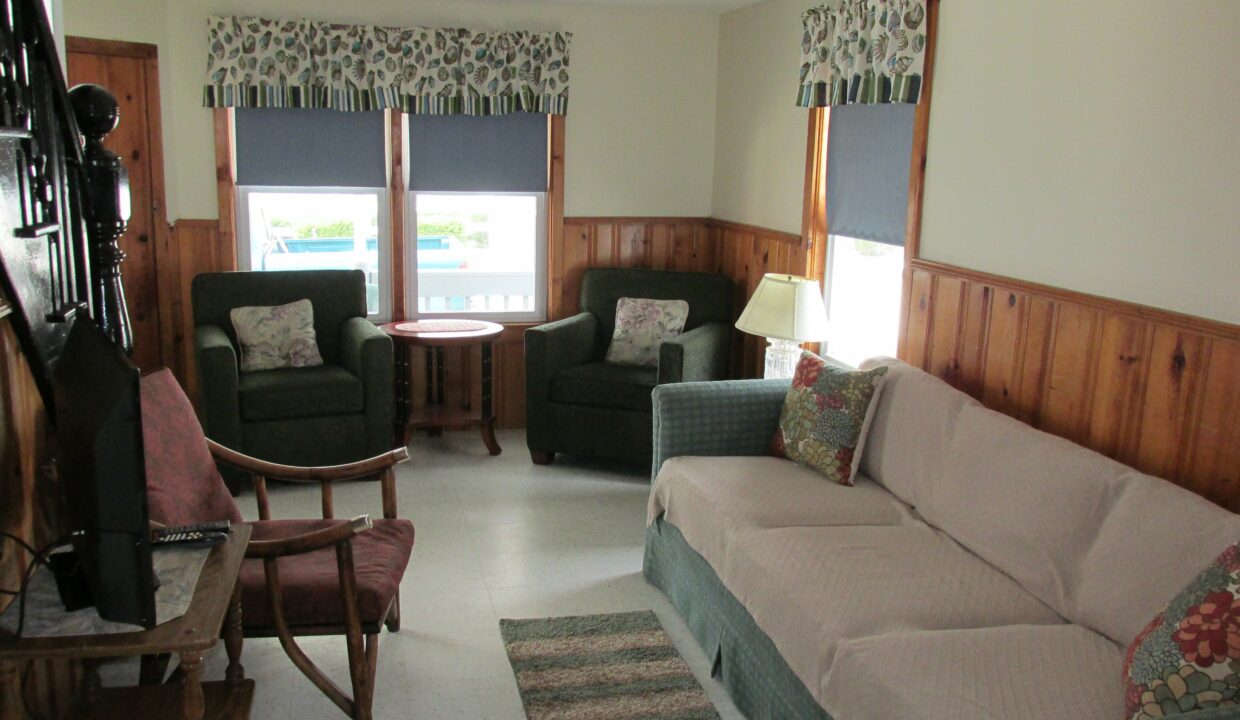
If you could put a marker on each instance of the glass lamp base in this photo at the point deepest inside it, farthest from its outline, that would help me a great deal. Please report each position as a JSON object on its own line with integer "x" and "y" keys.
{"x": 781, "y": 358}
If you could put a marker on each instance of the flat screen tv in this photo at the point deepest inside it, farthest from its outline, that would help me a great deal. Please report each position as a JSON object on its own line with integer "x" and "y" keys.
{"x": 101, "y": 464}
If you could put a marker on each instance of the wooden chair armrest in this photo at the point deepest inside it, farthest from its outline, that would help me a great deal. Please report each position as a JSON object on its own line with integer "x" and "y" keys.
{"x": 341, "y": 532}
{"x": 293, "y": 473}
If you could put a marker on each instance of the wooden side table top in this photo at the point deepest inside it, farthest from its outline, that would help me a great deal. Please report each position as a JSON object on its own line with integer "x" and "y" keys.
{"x": 442, "y": 332}
{"x": 196, "y": 631}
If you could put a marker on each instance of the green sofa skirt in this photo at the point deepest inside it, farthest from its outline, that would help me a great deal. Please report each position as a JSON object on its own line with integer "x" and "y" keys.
{"x": 744, "y": 658}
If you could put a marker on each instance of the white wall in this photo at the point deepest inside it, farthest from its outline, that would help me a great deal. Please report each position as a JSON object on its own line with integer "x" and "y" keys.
{"x": 1086, "y": 145}
{"x": 1094, "y": 146}
{"x": 641, "y": 120}
{"x": 760, "y": 133}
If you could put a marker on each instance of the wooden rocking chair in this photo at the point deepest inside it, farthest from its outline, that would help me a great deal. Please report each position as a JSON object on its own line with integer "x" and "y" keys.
{"x": 301, "y": 577}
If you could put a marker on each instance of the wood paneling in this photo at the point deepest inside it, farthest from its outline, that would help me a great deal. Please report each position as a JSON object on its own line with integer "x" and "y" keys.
{"x": 199, "y": 250}
{"x": 646, "y": 242}
{"x": 1153, "y": 389}
{"x": 28, "y": 497}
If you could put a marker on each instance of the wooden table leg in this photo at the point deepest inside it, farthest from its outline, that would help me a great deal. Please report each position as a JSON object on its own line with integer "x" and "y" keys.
{"x": 91, "y": 683}
{"x": 488, "y": 413}
{"x": 193, "y": 705}
{"x": 235, "y": 674}
{"x": 404, "y": 393}
{"x": 10, "y": 692}
{"x": 153, "y": 668}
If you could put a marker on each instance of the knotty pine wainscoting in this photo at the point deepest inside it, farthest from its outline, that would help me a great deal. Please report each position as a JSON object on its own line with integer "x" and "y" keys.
{"x": 1153, "y": 389}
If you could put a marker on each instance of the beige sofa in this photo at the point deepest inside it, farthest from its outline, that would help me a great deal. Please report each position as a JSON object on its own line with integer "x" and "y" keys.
{"x": 978, "y": 569}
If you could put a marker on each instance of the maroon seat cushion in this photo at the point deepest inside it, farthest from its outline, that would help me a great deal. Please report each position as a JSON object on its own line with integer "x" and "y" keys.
{"x": 183, "y": 485}
{"x": 310, "y": 583}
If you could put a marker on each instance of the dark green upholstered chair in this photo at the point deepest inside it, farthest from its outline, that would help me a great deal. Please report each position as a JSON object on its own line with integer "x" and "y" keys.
{"x": 580, "y": 405}
{"x": 339, "y": 412}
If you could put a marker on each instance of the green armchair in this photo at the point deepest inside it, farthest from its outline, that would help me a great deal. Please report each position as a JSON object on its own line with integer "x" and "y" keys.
{"x": 580, "y": 405}
{"x": 339, "y": 412}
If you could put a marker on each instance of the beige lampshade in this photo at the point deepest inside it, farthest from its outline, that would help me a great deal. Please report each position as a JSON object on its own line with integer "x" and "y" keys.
{"x": 787, "y": 307}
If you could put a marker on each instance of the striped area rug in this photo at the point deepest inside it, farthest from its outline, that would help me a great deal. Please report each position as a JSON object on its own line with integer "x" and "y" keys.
{"x": 602, "y": 667}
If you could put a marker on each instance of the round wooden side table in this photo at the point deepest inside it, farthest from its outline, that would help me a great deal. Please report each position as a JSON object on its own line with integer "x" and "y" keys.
{"x": 435, "y": 335}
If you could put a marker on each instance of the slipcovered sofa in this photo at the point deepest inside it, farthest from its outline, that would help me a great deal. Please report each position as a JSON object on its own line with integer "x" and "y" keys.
{"x": 979, "y": 568}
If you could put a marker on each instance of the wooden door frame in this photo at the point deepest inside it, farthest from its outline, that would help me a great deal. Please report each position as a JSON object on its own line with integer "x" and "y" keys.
{"x": 167, "y": 259}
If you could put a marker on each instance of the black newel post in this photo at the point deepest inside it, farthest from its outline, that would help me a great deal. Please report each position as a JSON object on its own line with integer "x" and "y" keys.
{"x": 107, "y": 209}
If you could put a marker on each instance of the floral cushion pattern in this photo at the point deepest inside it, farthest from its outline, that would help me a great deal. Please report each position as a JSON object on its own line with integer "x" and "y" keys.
{"x": 826, "y": 416}
{"x": 642, "y": 325}
{"x": 1188, "y": 657}
{"x": 280, "y": 336}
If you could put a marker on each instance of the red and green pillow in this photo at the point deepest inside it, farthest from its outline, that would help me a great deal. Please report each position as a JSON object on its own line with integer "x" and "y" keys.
{"x": 1188, "y": 657}
{"x": 826, "y": 417}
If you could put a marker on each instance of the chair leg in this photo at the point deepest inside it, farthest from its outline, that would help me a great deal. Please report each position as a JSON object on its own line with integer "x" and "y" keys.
{"x": 393, "y": 616}
{"x": 542, "y": 457}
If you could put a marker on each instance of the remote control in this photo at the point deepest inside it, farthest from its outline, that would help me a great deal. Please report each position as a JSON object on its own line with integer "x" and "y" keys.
{"x": 189, "y": 538}
{"x": 213, "y": 526}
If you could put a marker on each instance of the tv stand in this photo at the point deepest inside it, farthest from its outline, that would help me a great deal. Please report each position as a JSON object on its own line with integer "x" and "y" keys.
{"x": 215, "y": 607}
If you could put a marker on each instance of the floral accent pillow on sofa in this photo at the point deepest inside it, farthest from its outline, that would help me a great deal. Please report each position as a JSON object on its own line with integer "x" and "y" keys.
{"x": 1188, "y": 657}
{"x": 826, "y": 417}
{"x": 642, "y": 325}
{"x": 279, "y": 336}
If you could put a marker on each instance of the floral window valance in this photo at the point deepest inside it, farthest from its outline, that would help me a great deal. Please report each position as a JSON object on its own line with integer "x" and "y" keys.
{"x": 863, "y": 51}
{"x": 255, "y": 62}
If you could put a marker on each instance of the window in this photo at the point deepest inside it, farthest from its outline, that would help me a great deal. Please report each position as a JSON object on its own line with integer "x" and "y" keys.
{"x": 863, "y": 298}
{"x": 311, "y": 195}
{"x": 868, "y": 153}
{"x": 294, "y": 228}
{"x": 477, "y": 244}
{"x": 480, "y": 253}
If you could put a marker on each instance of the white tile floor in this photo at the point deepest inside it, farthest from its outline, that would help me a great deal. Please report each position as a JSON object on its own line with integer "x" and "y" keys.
{"x": 496, "y": 538}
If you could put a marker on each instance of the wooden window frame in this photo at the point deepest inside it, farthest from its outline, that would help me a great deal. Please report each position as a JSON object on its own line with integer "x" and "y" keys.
{"x": 814, "y": 206}
{"x": 397, "y": 187}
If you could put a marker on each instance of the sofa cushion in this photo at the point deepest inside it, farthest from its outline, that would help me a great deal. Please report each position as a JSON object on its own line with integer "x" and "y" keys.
{"x": 826, "y": 416}
{"x": 1072, "y": 526}
{"x": 709, "y": 499}
{"x": 912, "y": 427}
{"x": 299, "y": 392}
{"x": 1015, "y": 672}
{"x": 809, "y": 589}
{"x": 1027, "y": 502}
{"x": 603, "y": 384}
{"x": 1186, "y": 658}
{"x": 1152, "y": 542}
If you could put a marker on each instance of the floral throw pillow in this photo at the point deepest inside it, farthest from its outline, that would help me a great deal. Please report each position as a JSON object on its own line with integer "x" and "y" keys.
{"x": 279, "y": 336}
{"x": 1188, "y": 657}
{"x": 641, "y": 327}
{"x": 826, "y": 417}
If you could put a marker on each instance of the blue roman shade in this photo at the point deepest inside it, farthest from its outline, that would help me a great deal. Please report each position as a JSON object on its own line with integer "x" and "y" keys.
{"x": 462, "y": 153}
{"x": 869, "y": 148}
{"x": 303, "y": 147}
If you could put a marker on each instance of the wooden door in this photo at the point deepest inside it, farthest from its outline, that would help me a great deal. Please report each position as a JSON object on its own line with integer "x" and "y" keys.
{"x": 130, "y": 71}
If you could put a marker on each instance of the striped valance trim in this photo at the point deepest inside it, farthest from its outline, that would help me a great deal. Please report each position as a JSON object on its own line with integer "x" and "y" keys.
{"x": 860, "y": 91}
{"x": 251, "y": 96}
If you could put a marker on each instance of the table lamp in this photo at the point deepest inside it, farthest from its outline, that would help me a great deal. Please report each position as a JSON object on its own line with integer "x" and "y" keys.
{"x": 787, "y": 310}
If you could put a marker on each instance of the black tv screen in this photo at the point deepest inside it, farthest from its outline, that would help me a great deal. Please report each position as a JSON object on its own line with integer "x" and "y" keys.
{"x": 101, "y": 464}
